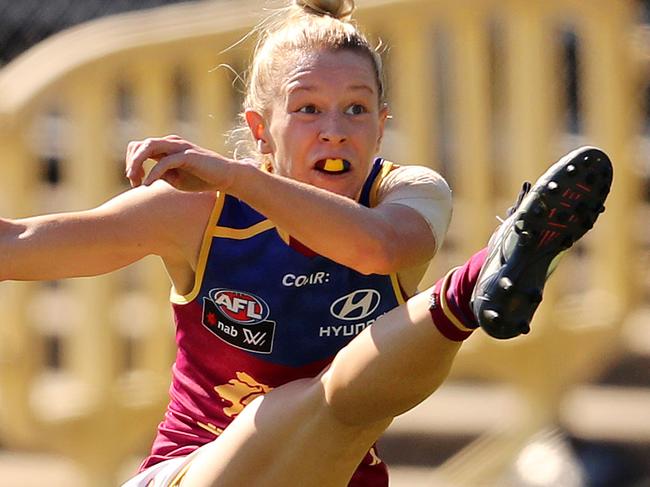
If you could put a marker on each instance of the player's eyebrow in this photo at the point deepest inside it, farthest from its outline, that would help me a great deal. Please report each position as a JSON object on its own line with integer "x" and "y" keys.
{"x": 362, "y": 87}
{"x": 312, "y": 88}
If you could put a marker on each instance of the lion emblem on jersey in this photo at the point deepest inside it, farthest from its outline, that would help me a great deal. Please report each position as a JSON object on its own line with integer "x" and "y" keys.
{"x": 240, "y": 392}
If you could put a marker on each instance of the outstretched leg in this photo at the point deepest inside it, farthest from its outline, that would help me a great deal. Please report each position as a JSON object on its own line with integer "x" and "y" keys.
{"x": 314, "y": 432}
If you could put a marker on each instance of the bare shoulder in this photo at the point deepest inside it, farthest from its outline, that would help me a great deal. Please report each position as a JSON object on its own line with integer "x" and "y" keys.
{"x": 161, "y": 205}
{"x": 175, "y": 219}
{"x": 163, "y": 199}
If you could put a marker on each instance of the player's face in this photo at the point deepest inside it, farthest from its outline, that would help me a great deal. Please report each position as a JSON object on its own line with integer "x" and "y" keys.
{"x": 328, "y": 109}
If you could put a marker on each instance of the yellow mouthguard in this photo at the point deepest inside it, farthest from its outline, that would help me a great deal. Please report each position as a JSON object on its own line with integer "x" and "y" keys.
{"x": 334, "y": 165}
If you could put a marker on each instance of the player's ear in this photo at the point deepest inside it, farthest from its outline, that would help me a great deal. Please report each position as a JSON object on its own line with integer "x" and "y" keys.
{"x": 384, "y": 115}
{"x": 259, "y": 130}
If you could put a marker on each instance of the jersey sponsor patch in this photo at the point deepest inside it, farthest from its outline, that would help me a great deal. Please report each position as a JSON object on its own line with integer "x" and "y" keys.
{"x": 357, "y": 305}
{"x": 240, "y": 307}
{"x": 356, "y": 310}
{"x": 239, "y": 319}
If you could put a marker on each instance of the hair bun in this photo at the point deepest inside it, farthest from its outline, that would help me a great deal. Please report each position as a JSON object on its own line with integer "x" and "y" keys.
{"x": 339, "y": 9}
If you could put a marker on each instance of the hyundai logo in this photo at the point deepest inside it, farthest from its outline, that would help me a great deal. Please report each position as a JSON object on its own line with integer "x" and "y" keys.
{"x": 356, "y": 305}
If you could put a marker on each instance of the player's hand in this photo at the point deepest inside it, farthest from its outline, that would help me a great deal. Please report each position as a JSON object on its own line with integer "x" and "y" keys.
{"x": 184, "y": 165}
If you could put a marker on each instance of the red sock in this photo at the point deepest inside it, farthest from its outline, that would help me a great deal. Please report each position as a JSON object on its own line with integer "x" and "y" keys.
{"x": 450, "y": 301}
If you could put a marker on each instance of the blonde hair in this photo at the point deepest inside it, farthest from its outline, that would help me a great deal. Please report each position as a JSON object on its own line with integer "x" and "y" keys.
{"x": 302, "y": 27}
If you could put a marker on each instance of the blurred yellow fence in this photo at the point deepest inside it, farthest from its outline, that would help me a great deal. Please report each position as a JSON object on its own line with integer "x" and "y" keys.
{"x": 478, "y": 90}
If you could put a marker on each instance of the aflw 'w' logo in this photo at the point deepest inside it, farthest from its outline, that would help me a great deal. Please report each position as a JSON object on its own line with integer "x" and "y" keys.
{"x": 254, "y": 338}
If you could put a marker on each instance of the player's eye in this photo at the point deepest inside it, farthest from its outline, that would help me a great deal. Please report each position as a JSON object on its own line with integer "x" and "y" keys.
{"x": 355, "y": 109}
{"x": 308, "y": 109}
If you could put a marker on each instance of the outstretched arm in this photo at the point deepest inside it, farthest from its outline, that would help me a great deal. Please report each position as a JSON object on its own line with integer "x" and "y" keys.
{"x": 384, "y": 239}
{"x": 130, "y": 226}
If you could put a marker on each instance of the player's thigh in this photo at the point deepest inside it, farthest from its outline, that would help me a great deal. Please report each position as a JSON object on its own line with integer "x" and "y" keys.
{"x": 288, "y": 437}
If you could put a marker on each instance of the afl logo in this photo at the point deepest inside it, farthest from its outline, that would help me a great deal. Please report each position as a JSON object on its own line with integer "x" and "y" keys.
{"x": 239, "y": 306}
{"x": 356, "y": 305}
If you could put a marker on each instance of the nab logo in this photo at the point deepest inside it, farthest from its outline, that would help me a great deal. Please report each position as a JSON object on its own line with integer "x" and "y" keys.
{"x": 240, "y": 307}
{"x": 356, "y": 305}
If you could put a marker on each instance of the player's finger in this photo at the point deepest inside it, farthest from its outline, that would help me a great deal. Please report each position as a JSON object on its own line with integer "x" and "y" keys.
{"x": 133, "y": 174}
{"x": 165, "y": 164}
{"x": 151, "y": 148}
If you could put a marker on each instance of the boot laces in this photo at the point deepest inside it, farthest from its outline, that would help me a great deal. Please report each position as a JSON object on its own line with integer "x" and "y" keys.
{"x": 525, "y": 189}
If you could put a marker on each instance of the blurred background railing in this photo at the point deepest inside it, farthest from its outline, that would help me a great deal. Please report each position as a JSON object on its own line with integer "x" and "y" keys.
{"x": 488, "y": 92}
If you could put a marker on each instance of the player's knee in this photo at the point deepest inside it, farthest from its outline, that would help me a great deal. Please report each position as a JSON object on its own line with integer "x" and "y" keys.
{"x": 344, "y": 406}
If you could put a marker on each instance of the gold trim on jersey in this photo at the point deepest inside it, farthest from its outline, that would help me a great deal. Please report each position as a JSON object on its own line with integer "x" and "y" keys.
{"x": 284, "y": 235}
{"x": 397, "y": 289}
{"x": 178, "y": 298}
{"x": 385, "y": 169}
{"x": 243, "y": 233}
{"x": 211, "y": 232}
